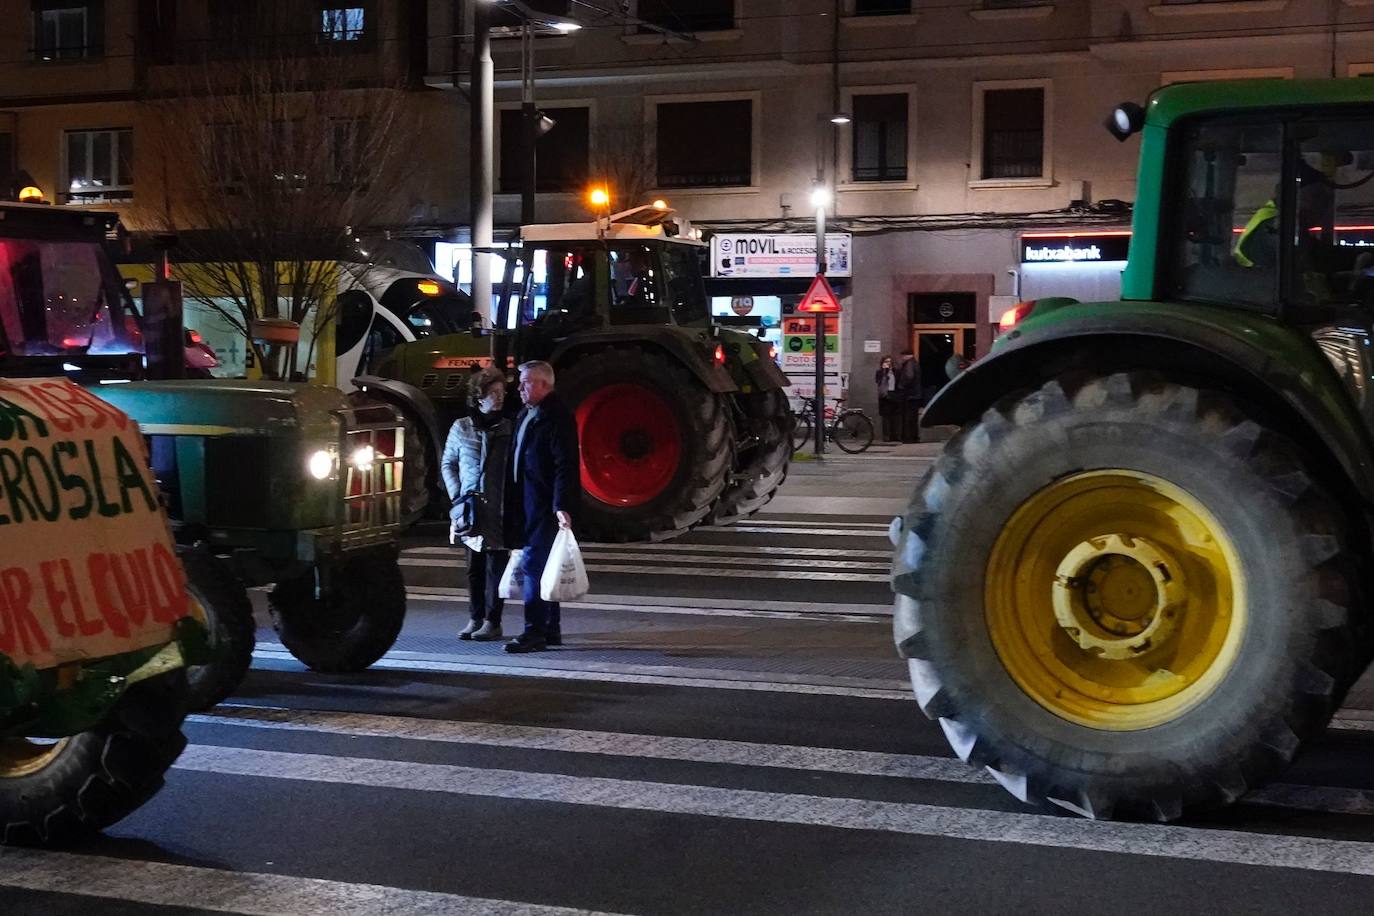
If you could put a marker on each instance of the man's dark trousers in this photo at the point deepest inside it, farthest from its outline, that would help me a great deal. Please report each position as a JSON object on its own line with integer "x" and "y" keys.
{"x": 542, "y": 618}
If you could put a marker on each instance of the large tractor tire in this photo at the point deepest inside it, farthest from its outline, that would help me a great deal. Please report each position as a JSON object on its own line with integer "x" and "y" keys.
{"x": 1125, "y": 597}
{"x": 344, "y": 619}
{"x": 56, "y": 792}
{"x": 656, "y": 445}
{"x": 764, "y": 463}
{"x": 419, "y": 486}
{"x": 233, "y": 632}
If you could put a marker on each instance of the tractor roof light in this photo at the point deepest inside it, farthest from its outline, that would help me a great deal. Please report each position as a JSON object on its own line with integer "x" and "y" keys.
{"x": 31, "y": 194}
{"x": 660, "y": 204}
{"x": 599, "y": 197}
{"x": 1126, "y": 119}
{"x": 428, "y": 287}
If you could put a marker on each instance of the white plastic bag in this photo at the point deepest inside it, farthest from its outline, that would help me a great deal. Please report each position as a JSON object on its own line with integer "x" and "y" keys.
{"x": 512, "y": 585}
{"x": 565, "y": 578}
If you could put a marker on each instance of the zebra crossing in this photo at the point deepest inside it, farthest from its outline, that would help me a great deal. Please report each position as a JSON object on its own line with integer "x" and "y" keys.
{"x": 708, "y": 740}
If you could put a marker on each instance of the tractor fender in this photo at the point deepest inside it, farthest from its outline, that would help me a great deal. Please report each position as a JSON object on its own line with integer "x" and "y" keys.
{"x": 413, "y": 403}
{"x": 674, "y": 343}
{"x": 1271, "y": 364}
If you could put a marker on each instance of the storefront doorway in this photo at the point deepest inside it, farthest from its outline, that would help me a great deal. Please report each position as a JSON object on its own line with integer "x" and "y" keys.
{"x": 942, "y": 325}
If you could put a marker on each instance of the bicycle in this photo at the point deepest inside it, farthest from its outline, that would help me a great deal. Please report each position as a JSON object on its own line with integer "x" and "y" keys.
{"x": 848, "y": 427}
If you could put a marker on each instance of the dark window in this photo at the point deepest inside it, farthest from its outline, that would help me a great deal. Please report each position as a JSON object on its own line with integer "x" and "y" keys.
{"x": 942, "y": 308}
{"x": 688, "y": 15}
{"x": 1014, "y": 133}
{"x": 157, "y": 30}
{"x": 1334, "y": 256}
{"x": 233, "y": 27}
{"x": 67, "y": 30}
{"x": 348, "y": 139}
{"x": 544, "y": 11}
{"x": 705, "y": 144}
{"x": 100, "y": 164}
{"x": 880, "y": 131}
{"x": 343, "y": 24}
{"x": 7, "y": 162}
{"x": 1226, "y": 234}
{"x": 881, "y": 7}
{"x": 561, "y": 155}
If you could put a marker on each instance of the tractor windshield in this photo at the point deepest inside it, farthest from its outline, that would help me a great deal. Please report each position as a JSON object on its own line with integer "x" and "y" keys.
{"x": 1335, "y": 232}
{"x": 60, "y": 298}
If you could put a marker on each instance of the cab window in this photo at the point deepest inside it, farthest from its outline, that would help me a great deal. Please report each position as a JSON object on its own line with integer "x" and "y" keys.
{"x": 1227, "y": 196}
{"x": 636, "y": 297}
{"x": 1334, "y": 244}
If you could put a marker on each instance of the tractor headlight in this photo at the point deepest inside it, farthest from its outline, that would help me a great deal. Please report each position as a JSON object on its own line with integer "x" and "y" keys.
{"x": 320, "y": 464}
{"x": 363, "y": 457}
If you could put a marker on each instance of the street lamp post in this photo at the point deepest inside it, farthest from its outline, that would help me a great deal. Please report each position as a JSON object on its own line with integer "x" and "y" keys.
{"x": 820, "y": 199}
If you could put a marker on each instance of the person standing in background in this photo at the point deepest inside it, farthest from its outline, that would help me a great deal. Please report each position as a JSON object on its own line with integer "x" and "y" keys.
{"x": 474, "y": 462}
{"x": 909, "y": 396}
{"x": 889, "y": 405}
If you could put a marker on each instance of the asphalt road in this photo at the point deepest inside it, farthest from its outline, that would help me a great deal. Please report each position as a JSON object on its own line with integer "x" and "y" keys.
{"x": 726, "y": 730}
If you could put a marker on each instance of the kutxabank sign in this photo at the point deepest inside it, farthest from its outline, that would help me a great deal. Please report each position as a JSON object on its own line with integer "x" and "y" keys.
{"x": 778, "y": 255}
{"x": 87, "y": 567}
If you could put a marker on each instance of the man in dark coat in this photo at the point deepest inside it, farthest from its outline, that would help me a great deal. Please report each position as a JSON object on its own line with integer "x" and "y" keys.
{"x": 908, "y": 392}
{"x": 542, "y": 493}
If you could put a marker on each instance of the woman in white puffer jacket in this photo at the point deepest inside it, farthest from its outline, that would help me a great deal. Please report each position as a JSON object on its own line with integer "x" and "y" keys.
{"x": 475, "y": 462}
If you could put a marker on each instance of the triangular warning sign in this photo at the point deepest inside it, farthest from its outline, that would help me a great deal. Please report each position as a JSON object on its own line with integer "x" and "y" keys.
{"x": 820, "y": 298}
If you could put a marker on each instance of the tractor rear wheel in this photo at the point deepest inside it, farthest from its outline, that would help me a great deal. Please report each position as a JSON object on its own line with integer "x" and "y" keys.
{"x": 1125, "y": 597}
{"x": 344, "y": 618}
{"x": 656, "y": 445}
{"x": 764, "y": 463}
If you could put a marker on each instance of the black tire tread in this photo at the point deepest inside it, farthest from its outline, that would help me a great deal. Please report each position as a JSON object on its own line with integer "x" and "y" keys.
{"x": 1336, "y": 659}
{"x": 765, "y": 466}
{"x": 233, "y": 631}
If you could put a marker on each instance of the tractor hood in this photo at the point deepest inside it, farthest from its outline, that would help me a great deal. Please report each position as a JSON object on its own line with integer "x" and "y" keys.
{"x": 228, "y": 407}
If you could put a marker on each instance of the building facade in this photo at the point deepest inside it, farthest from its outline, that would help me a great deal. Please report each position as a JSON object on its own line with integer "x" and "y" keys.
{"x": 973, "y": 169}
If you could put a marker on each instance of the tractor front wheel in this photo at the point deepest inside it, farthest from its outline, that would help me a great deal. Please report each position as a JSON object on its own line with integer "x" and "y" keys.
{"x": 54, "y": 792}
{"x": 345, "y": 616}
{"x": 233, "y": 632}
{"x": 656, "y": 445}
{"x": 1125, "y": 597}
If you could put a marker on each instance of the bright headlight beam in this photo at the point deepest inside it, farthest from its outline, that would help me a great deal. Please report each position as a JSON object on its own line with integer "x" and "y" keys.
{"x": 320, "y": 465}
{"x": 363, "y": 457}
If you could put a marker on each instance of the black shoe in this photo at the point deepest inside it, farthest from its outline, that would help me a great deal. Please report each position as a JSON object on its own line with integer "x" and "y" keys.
{"x": 523, "y": 644}
{"x": 554, "y": 639}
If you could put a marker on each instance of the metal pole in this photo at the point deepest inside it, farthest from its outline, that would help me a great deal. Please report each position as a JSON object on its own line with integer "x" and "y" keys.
{"x": 482, "y": 105}
{"x": 527, "y": 125}
{"x": 820, "y": 330}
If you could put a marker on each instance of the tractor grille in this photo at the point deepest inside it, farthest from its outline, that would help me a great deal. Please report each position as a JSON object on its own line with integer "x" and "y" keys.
{"x": 373, "y": 495}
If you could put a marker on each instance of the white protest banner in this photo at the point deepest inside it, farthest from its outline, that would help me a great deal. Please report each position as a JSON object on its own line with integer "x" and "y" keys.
{"x": 87, "y": 566}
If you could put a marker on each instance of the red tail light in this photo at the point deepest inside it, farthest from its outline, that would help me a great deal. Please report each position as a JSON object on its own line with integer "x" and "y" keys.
{"x": 720, "y": 355}
{"x": 1015, "y": 315}
{"x": 195, "y": 336}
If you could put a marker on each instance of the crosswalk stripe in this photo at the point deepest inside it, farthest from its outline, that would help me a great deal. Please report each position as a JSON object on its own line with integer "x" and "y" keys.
{"x": 1188, "y": 843}
{"x": 620, "y": 673}
{"x": 830, "y": 616}
{"x": 820, "y": 608}
{"x": 704, "y": 549}
{"x": 795, "y": 523}
{"x": 221, "y": 891}
{"x": 453, "y": 563}
{"x": 819, "y": 532}
{"x": 1329, "y": 799}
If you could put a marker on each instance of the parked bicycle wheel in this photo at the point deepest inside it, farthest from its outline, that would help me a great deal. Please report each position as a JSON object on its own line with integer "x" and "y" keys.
{"x": 853, "y": 432}
{"x": 801, "y": 431}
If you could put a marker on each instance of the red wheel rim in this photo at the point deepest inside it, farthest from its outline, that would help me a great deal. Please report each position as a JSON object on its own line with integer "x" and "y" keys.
{"x": 631, "y": 444}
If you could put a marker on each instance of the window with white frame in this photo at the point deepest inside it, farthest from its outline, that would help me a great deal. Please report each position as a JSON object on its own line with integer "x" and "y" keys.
{"x": 1012, "y": 135}
{"x": 67, "y": 30}
{"x": 343, "y": 24}
{"x": 880, "y": 129}
{"x": 100, "y": 164}
{"x": 706, "y": 144}
{"x": 687, "y": 15}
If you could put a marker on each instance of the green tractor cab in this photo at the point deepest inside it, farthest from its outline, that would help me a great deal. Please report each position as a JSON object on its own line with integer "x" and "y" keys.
{"x": 96, "y": 622}
{"x": 1135, "y": 582}
{"x": 681, "y": 422}
{"x": 290, "y": 485}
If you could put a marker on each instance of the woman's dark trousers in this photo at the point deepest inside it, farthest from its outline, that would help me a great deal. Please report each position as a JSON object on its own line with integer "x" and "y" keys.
{"x": 484, "y": 577}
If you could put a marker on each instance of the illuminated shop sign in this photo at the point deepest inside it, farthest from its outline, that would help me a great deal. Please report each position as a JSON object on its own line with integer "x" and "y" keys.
{"x": 1074, "y": 247}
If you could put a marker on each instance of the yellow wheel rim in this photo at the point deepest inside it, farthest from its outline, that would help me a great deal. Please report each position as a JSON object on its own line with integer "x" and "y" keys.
{"x": 25, "y": 756}
{"x": 1115, "y": 600}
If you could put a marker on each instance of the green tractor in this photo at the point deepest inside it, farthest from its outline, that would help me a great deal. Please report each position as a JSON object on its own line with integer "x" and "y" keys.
{"x": 96, "y": 623}
{"x": 680, "y": 422}
{"x": 265, "y": 483}
{"x": 1136, "y": 582}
